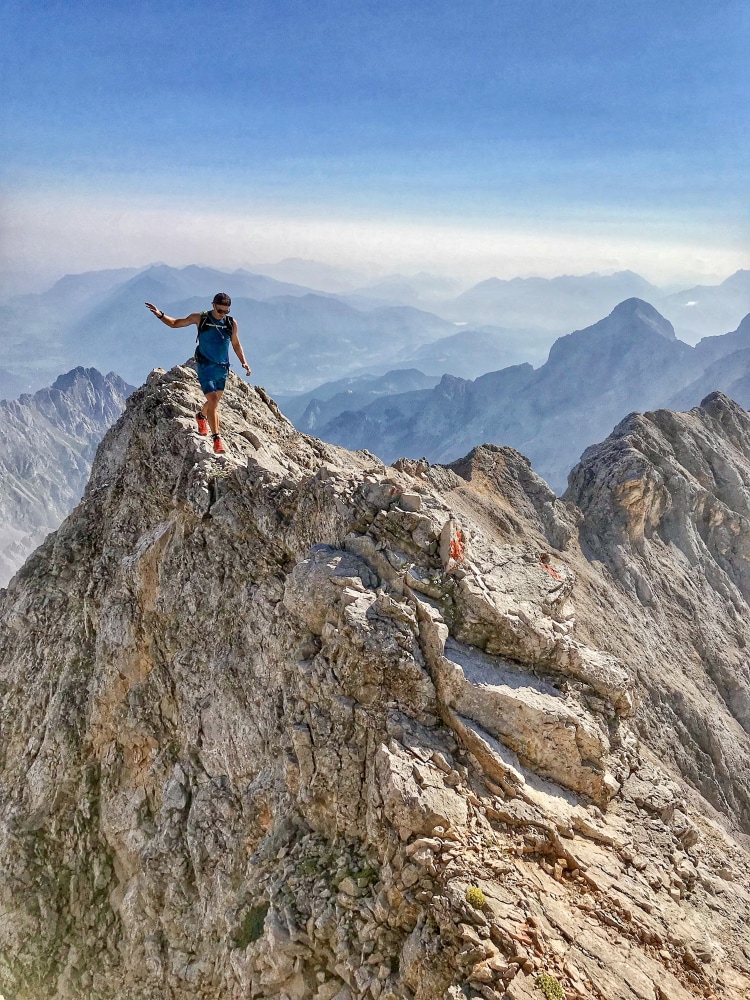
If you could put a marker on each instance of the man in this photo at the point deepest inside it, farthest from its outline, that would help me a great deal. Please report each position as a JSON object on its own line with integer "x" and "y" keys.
{"x": 216, "y": 329}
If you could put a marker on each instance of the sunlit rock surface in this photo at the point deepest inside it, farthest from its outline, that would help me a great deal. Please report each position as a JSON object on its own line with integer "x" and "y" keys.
{"x": 268, "y": 717}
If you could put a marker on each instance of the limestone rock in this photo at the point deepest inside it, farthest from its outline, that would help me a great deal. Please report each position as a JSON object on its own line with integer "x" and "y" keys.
{"x": 416, "y": 805}
{"x": 260, "y": 738}
{"x": 665, "y": 503}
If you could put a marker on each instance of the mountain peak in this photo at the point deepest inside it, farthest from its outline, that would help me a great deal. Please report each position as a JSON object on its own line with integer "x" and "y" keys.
{"x": 262, "y": 709}
{"x": 69, "y": 379}
{"x": 642, "y": 312}
{"x": 49, "y": 438}
{"x": 631, "y": 324}
{"x": 81, "y": 378}
{"x": 740, "y": 279}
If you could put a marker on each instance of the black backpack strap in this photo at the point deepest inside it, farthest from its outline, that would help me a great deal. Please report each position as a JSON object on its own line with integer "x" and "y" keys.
{"x": 201, "y": 326}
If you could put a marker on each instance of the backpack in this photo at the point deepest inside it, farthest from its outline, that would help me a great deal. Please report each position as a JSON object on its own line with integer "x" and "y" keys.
{"x": 202, "y": 324}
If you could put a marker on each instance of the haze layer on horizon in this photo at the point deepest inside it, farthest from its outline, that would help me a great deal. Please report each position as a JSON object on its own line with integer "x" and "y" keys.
{"x": 495, "y": 137}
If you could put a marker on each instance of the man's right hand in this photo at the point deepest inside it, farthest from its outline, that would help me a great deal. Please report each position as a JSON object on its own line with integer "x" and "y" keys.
{"x": 152, "y": 307}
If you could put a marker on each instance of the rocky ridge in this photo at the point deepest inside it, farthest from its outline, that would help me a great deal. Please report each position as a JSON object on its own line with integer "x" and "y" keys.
{"x": 291, "y": 724}
{"x": 665, "y": 503}
{"x": 49, "y": 442}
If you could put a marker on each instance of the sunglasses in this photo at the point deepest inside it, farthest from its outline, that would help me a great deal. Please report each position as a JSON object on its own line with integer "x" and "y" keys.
{"x": 222, "y": 309}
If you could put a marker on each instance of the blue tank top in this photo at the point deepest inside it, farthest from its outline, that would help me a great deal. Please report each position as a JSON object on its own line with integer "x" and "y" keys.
{"x": 214, "y": 339}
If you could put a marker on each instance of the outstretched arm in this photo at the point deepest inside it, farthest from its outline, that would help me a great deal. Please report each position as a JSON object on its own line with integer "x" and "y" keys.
{"x": 238, "y": 350}
{"x": 192, "y": 320}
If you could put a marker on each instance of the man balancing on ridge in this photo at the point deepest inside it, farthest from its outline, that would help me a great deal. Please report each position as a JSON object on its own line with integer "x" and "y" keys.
{"x": 216, "y": 329}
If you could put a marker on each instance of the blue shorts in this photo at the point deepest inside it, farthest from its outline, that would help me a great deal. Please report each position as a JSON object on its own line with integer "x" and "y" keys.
{"x": 212, "y": 377}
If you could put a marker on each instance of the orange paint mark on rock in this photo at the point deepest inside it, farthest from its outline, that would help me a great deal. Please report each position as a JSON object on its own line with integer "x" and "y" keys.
{"x": 457, "y": 547}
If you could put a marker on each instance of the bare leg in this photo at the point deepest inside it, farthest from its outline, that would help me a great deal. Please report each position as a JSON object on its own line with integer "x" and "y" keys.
{"x": 211, "y": 410}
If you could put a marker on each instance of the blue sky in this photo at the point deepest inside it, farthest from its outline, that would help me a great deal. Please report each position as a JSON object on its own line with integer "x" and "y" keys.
{"x": 288, "y": 126}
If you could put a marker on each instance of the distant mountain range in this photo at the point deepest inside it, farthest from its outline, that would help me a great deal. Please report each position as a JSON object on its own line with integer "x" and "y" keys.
{"x": 49, "y": 441}
{"x": 552, "y": 305}
{"x": 708, "y": 310}
{"x": 631, "y": 360}
{"x": 532, "y": 308}
{"x": 298, "y": 335}
{"x": 542, "y": 306}
{"x": 310, "y": 409}
{"x": 295, "y": 338}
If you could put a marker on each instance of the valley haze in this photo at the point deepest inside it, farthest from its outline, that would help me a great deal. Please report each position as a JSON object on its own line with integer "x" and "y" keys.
{"x": 302, "y": 334}
{"x": 379, "y": 371}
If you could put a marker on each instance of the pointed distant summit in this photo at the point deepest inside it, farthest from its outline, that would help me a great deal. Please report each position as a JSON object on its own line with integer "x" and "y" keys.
{"x": 740, "y": 280}
{"x": 636, "y": 311}
{"x": 629, "y": 360}
{"x": 88, "y": 376}
{"x": 632, "y": 325}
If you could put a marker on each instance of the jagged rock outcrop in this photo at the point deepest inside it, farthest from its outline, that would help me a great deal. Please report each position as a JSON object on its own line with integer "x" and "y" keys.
{"x": 49, "y": 440}
{"x": 666, "y": 504}
{"x": 290, "y": 724}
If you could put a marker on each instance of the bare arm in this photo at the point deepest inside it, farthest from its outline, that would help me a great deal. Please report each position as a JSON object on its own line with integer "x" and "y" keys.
{"x": 192, "y": 320}
{"x": 238, "y": 350}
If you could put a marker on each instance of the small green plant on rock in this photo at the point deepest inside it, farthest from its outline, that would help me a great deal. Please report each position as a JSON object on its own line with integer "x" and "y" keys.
{"x": 310, "y": 866}
{"x": 475, "y": 897}
{"x": 369, "y": 873}
{"x": 252, "y": 926}
{"x": 549, "y": 986}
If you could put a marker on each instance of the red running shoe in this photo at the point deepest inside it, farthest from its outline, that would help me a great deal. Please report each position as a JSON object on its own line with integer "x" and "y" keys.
{"x": 202, "y": 424}
{"x": 218, "y": 445}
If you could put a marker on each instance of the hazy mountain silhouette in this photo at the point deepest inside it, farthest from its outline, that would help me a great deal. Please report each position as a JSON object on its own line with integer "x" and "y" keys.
{"x": 331, "y": 398}
{"x": 303, "y": 336}
{"x": 315, "y": 274}
{"x": 631, "y": 360}
{"x": 295, "y": 338}
{"x": 552, "y": 304}
{"x": 545, "y": 306}
{"x": 423, "y": 290}
{"x": 708, "y": 310}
